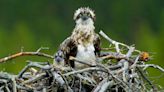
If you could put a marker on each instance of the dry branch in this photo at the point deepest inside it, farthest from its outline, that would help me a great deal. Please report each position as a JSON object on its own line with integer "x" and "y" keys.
{"x": 114, "y": 71}
{"x": 37, "y": 53}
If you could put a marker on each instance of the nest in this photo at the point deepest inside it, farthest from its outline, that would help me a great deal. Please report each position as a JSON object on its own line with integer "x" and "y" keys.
{"x": 121, "y": 68}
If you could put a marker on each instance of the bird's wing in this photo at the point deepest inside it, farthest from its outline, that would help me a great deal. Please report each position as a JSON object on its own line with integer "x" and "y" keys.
{"x": 67, "y": 48}
{"x": 97, "y": 44}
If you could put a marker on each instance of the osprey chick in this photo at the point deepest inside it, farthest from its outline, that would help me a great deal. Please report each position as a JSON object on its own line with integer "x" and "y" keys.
{"x": 84, "y": 43}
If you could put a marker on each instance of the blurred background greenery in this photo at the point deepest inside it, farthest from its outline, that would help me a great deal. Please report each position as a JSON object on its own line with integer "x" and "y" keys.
{"x": 31, "y": 24}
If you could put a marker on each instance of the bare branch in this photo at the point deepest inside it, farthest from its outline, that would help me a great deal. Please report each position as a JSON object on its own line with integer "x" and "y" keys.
{"x": 115, "y": 42}
{"x": 84, "y": 70}
{"x": 118, "y": 71}
{"x": 145, "y": 66}
{"x": 25, "y": 54}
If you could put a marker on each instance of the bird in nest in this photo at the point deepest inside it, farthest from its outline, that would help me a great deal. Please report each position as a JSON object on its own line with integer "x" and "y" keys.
{"x": 83, "y": 44}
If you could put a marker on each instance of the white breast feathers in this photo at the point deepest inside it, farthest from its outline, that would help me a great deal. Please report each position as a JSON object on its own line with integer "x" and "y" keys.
{"x": 86, "y": 54}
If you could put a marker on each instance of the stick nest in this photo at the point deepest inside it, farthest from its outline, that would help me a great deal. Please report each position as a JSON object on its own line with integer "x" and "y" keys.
{"x": 120, "y": 68}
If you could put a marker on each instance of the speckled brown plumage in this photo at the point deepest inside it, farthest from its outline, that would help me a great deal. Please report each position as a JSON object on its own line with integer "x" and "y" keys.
{"x": 83, "y": 40}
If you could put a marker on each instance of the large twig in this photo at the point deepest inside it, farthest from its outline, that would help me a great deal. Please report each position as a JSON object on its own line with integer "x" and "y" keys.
{"x": 121, "y": 74}
{"x": 98, "y": 87}
{"x": 79, "y": 61}
{"x": 37, "y": 53}
{"x": 37, "y": 77}
{"x": 106, "y": 85}
{"x": 115, "y": 42}
{"x": 145, "y": 66}
{"x": 84, "y": 70}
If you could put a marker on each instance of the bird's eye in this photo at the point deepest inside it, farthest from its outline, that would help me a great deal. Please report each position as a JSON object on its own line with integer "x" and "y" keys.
{"x": 88, "y": 14}
{"x": 78, "y": 16}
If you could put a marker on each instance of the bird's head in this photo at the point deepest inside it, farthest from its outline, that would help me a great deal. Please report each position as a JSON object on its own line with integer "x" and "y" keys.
{"x": 84, "y": 16}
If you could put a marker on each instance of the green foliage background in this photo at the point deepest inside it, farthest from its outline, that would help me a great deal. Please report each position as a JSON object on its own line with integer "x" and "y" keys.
{"x": 30, "y": 24}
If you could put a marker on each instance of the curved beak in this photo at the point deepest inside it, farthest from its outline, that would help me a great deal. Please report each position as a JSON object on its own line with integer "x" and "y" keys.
{"x": 84, "y": 17}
